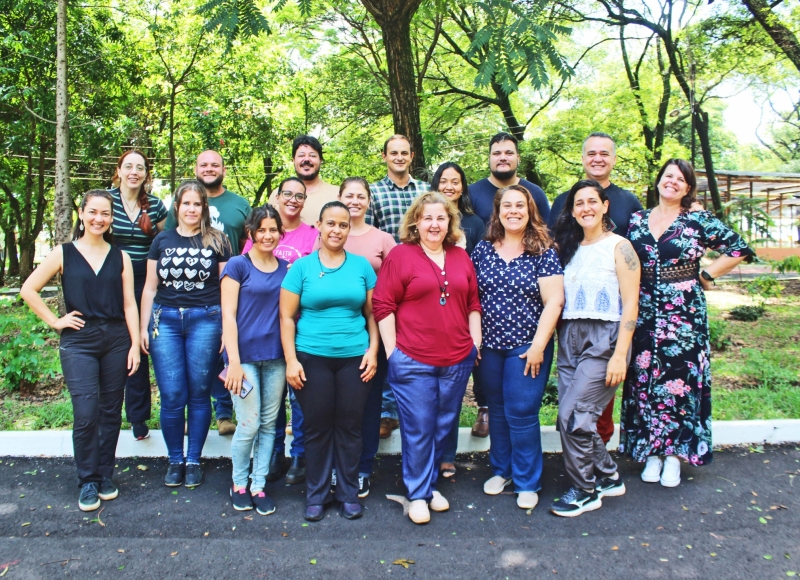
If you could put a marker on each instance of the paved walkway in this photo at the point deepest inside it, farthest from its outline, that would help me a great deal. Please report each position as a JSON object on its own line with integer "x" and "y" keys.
{"x": 738, "y": 518}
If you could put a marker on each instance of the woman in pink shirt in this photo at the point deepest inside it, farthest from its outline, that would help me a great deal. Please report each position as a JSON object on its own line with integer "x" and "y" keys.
{"x": 427, "y": 307}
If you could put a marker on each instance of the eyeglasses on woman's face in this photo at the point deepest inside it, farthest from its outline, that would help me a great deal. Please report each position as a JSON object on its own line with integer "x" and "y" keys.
{"x": 290, "y": 194}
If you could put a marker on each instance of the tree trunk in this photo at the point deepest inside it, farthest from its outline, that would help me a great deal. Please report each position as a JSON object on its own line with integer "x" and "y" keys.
{"x": 266, "y": 185}
{"x": 11, "y": 250}
{"x": 63, "y": 200}
{"x": 702, "y": 126}
{"x": 172, "y": 160}
{"x": 783, "y": 37}
{"x": 394, "y": 18}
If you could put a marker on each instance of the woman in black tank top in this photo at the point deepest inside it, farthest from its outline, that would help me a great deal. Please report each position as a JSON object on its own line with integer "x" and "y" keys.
{"x": 99, "y": 345}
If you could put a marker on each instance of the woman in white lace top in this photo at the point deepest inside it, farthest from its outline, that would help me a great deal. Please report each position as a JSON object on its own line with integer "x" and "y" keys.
{"x": 601, "y": 283}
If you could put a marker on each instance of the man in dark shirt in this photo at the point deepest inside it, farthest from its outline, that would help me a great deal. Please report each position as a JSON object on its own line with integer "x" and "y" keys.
{"x": 599, "y": 157}
{"x": 503, "y": 163}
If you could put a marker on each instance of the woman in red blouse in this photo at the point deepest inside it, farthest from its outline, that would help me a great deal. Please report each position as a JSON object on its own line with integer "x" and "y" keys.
{"x": 427, "y": 307}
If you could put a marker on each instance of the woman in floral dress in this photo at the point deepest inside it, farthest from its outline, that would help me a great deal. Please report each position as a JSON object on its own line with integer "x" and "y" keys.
{"x": 666, "y": 408}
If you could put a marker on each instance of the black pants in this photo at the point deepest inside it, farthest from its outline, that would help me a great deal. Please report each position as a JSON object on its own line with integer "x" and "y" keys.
{"x": 332, "y": 401}
{"x": 94, "y": 361}
{"x": 137, "y": 387}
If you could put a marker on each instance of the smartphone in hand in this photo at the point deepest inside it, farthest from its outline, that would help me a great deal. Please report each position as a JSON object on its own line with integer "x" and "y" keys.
{"x": 246, "y": 387}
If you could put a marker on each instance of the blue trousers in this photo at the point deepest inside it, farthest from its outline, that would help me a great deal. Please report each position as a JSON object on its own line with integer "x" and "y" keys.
{"x": 371, "y": 421}
{"x": 298, "y": 439}
{"x": 185, "y": 354}
{"x": 428, "y": 400}
{"x": 514, "y": 401}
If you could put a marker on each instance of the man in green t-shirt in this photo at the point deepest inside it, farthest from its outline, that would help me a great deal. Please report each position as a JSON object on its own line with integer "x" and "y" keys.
{"x": 228, "y": 210}
{"x": 228, "y": 214}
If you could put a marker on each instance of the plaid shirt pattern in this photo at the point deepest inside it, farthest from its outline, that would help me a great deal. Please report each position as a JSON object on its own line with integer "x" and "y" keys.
{"x": 390, "y": 203}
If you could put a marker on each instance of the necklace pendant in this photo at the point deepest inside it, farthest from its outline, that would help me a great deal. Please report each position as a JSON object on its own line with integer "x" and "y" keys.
{"x": 442, "y": 300}
{"x": 321, "y": 274}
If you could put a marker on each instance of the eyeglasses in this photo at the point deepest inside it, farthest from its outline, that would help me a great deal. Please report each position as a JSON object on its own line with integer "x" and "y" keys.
{"x": 290, "y": 194}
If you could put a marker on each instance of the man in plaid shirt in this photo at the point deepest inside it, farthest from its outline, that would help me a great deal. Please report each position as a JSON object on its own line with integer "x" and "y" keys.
{"x": 392, "y": 195}
{"x": 391, "y": 198}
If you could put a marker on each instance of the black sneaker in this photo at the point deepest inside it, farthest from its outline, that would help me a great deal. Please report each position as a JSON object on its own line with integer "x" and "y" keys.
{"x": 575, "y": 502}
{"x": 88, "y": 501}
{"x": 242, "y": 501}
{"x": 333, "y": 481}
{"x": 107, "y": 489}
{"x": 194, "y": 475}
{"x": 363, "y": 486}
{"x": 607, "y": 487}
{"x": 264, "y": 504}
{"x": 175, "y": 474}
{"x": 140, "y": 431}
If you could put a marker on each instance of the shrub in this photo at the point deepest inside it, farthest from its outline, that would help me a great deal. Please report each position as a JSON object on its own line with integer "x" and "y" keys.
{"x": 717, "y": 334}
{"x": 25, "y": 356}
{"x": 748, "y": 313}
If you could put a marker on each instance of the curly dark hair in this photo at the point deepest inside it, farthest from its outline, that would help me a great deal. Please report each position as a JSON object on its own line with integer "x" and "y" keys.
{"x": 536, "y": 240}
{"x": 568, "y": 232}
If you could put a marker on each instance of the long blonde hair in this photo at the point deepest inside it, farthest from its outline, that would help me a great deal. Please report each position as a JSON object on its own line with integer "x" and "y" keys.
{"x": 409, "y": 233}
{"x": 210, "y": 236}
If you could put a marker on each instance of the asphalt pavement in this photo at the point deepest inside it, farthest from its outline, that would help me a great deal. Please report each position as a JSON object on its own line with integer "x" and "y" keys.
{"x": 737, "y": 518}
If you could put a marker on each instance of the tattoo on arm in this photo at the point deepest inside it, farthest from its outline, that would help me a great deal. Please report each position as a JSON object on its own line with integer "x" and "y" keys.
{"x": 631, "y": 259}
{"x": 630, "y": 325}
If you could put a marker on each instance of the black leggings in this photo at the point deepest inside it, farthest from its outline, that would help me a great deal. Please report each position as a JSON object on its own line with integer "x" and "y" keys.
{"x": 94, "y": 361}
{"x": 332, "y": 400}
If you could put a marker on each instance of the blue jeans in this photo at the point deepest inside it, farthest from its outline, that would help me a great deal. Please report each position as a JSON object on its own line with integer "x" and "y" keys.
{"x": 256, "y": 414}
{"x": 371, "y": 422}
{"x": 298, "y": 440}
{"x": 428, "y": 399}
{"x": 514, "y": 401}
{"x": 223, "y": 405}
{"x": 388, "y": 403}
{"x": 185, "y": 354}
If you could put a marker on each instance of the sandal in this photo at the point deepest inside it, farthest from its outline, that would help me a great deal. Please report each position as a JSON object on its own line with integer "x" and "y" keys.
{"x": 447, "y": 472}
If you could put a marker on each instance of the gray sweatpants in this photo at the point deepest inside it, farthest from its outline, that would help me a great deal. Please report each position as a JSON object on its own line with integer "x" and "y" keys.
{"x": 584, "y": 349}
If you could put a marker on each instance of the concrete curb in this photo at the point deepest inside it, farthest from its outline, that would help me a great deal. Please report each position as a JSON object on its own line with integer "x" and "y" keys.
{"x": 59, "y": 443}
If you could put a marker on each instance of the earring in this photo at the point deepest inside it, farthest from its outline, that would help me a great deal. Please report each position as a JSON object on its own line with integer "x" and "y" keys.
{"x": 80, "y": 227}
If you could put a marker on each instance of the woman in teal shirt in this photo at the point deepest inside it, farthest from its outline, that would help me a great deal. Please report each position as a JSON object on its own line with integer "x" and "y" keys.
{"x": 330, "y": 341}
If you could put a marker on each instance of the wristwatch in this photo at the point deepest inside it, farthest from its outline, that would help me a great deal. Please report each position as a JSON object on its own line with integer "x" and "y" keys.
{"x": 706, "y": 276}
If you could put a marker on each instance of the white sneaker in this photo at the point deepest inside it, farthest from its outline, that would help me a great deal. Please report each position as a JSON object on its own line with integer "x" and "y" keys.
{"x": 418, "y": 511}
{"x": 671, "y": 476}
{"x": 496, "y": 485}
{"x": 652, "y": 469}
{"x": 439, "y": 503}
{"x": 527, "y": 500}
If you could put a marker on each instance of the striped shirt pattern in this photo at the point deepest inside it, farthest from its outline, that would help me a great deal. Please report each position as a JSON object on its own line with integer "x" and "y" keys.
{"x": 128, "y": 236}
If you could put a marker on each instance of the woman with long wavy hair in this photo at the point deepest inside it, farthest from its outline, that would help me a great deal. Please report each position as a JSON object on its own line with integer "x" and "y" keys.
{"x": 521, "y": 289}
{"x": 138, "y": 217}
{"x": 601, "y": 274}
{"x": 181, "y": 326}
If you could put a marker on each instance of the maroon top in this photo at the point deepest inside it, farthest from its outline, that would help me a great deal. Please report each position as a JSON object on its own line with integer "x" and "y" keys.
{"x": 409, "y": 287}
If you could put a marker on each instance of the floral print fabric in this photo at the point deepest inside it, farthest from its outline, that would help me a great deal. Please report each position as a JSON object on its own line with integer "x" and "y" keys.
{"x": 666, "y": 406}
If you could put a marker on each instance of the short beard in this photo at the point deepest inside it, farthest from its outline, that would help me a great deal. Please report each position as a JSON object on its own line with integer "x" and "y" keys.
{"x": 503, "y": 175}
{"x": 212, "y": 184}
{"x": 310, "y": 177}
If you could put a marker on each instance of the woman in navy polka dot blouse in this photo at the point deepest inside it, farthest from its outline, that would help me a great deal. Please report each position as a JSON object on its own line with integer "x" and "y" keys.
{"x": 521, "y": 287}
